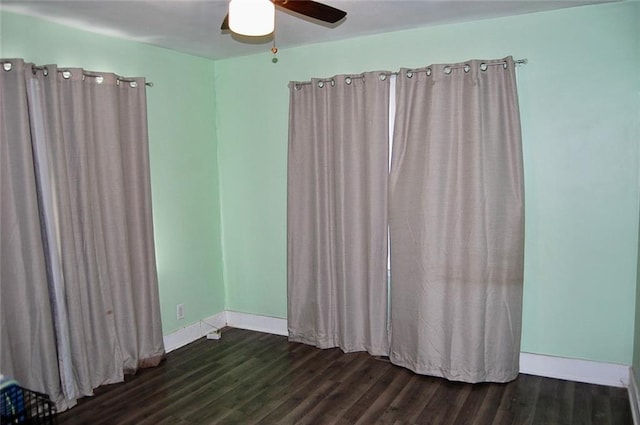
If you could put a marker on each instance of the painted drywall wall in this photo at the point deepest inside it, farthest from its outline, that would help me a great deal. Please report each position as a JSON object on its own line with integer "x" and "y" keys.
{"x": 578, "y": 98}
{"x": 183, "y": 152}
{"x": 636, "y": 348}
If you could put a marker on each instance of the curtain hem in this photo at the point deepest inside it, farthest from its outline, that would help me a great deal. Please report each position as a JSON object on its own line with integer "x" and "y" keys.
{"x": 325, "y": 345}
{"x": 472, "y": 377}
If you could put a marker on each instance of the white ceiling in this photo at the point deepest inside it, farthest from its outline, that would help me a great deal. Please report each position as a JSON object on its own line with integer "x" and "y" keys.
{"x": 193, "y": 26}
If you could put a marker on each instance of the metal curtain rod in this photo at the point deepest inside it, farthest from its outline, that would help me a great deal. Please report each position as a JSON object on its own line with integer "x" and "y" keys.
{"x": 96, "y": 75}
{"x": 67, "y": 72}
{"x": 118, "y": 77}
{"x": 465, "y": 66}
{"x": 384, "y": 75}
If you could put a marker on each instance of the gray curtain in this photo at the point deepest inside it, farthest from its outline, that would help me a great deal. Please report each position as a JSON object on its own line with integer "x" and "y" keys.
{"x": 90, "y": 154}
{"x": 456, "y": 222}
{"x": 337, "y": 217}
{"x": 27, "y": 335}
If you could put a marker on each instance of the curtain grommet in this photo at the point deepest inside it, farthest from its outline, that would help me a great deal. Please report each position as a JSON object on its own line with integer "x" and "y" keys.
{"x": 428, "y": 72}
{"x": 320, "y": 84}
{"x": 347, "y": 81}
{"x": 409, "y": 74}
{"x": 467, "y": 68}
{"x": 133, "y": 84}
{"x": 483, "y": 66}
{"x": 505, "y": 65}
{"x": 7, "y": 66}
{"x": 447, "y": 70}
{"x": 382, "y": 77}
{"x": 66, "y": 75}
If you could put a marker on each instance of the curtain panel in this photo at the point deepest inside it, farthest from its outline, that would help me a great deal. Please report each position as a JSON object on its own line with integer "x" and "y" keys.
{"x": 336, "y": 213}
{"x": 89, "y": 148}
{"x": 454, "y": 211}
{"x": 27, "y": 334}
{"x": 457, "y": 222}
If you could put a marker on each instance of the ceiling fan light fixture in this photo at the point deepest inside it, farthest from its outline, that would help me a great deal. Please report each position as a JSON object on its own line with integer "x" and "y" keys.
{"x": 252, "y": 17}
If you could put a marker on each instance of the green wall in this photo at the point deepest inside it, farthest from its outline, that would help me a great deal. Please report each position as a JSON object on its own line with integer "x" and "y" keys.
{"x": 579, "y": 105}
{"x": 183, "y": 151}
{"x": 636, "y": 349}
{"x": 579, "y": 102}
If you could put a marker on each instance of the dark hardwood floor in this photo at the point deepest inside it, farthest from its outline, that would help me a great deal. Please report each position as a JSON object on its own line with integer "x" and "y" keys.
{"x": 249, "y": 377}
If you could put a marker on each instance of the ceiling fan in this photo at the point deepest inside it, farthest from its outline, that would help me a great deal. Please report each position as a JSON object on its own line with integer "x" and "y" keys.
{"x": 312, "y": 9}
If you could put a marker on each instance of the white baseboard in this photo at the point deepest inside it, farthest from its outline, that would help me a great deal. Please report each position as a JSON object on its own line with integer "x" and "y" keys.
{"x": 634, "y": 400}
{"x": 254, "y": 322}
{"x": 234, "y": 319}
{"x": 591, "y": 372}
{"x": 195, "y": 331}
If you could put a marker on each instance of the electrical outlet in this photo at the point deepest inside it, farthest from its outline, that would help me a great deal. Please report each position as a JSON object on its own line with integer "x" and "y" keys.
{"x": 180, "y": 311}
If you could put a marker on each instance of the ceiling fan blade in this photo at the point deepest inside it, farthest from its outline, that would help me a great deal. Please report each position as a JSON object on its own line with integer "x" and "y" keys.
{"x": 313, "y": 9}
{"x": 225, "y": 23}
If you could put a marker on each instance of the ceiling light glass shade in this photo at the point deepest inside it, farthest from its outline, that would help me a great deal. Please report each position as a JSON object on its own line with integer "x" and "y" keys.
{"x": 252, "y": 17}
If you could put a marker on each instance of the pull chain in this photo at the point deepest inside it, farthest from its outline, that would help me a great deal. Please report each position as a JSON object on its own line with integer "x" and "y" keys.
{"x": 274, "y": 49}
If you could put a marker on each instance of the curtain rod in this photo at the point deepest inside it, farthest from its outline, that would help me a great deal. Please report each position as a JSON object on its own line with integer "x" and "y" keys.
{"x": 384, "y": 75}
{"x": 97, "y": 75}
{"x": 84, "y": 73}
{"x": 465, "y": 66}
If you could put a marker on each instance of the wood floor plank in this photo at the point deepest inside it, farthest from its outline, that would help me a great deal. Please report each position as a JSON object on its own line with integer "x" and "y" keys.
{"x": 601, "y": 413}
{"x": 213, "y": 389}
{"x": 315, "y": 378}
{"x": 547, "y": 398}
{"x": 174, "y": 399}
{"x": 527, "y": 400}
{"x": 170, "y": 381}
{"x": 566, "y": 394}
{"x": 582, "y": 407}
{"x": 255, "y": 378}
{"x": 266, "y": 397}
{"x": 489, "y": 407}
{"x": 369, "y": 397}
{"x": 311, "y": 397}
{"x": 506, "y": 411}
{"x": 375, "y": 412}
{"x": 352, "y": 385}
{"x": 445, "y": 404}
{"x": 620, "y": 410}
{"x": 412, "y": 399}
{"x": 303, "y": 376}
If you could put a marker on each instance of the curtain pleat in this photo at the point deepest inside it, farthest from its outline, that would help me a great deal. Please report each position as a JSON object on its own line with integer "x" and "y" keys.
{"x": 93, "y": 158}
{"x": 336, "y": 219}
{"x": 456, "y": 217}
{"x": 39, "y": 115}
